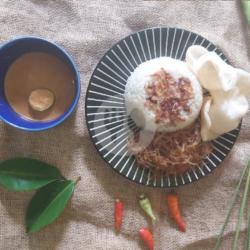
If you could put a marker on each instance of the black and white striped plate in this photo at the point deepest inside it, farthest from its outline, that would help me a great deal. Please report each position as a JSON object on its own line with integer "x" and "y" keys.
{"x": 108, "y": 124}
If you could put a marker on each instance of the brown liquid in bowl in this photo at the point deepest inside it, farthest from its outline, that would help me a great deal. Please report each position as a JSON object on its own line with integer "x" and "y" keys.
{"x": 38, "y": 70}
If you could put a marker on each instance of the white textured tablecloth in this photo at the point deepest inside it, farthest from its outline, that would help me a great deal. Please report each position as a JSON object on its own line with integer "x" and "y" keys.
{"x": 87, "y": 29}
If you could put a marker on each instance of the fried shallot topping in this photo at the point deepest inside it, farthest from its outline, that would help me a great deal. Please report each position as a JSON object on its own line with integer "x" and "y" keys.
{"x": 172, "y": 153}
{"x": 169, "y": 99}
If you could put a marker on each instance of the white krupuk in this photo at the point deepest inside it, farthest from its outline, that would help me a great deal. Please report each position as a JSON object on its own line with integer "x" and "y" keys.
{"x": 206, "y": 132}
{"x": 228, "y": 87}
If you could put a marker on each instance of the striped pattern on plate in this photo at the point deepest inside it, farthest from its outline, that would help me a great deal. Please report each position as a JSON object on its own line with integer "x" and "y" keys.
{"x": 108, "y": 124}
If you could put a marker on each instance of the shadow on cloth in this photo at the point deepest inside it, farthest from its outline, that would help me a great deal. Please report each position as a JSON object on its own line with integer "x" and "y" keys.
{"x": 55, "y": 146}
{"x": 107, "y": 185}
{"x": 204, "y": 244}
{"x": 47, "y": 238}
{"x": 50, "y": 237}
{"x": 209, "y": 243}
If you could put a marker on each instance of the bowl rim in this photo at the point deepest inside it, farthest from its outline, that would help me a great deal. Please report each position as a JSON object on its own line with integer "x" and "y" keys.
{"x": 74, "y": 103}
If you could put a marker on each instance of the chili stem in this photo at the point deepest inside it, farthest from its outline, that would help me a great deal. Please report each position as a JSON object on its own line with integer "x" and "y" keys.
{"x": 78, "y": 179}
{"x": 241, "y": 213}
{"x": 231, "y": 206}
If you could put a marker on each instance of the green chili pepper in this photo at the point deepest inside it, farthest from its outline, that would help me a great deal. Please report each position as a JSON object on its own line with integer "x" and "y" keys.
{"x": 146, "y": 206}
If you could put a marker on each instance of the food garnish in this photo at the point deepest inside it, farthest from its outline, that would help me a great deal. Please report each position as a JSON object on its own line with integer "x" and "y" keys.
{"x": 168, "y": 98}
{"x": 53, "y": 190}
{"x": 163, "y": 95}
{"x": 48, "y": 203}
{"x": 147, "y": 238}
{"x": 174, "y": 210}
{"x": 41, "y": 99}
{"x": 172, "y": 153}
{"x": 228, "y": 88}
{"x": 146, "y": 206}
{"x": 118, "y": 215}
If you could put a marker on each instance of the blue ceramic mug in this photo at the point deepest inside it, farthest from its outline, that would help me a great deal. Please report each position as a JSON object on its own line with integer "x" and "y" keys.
{"x": 9, "y": 52}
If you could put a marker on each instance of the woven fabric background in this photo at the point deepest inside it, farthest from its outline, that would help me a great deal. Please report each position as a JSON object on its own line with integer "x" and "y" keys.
{"x": 87, "y": 29}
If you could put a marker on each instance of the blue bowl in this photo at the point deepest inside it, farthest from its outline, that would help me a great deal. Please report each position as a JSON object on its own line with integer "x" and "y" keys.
{"x": 9, "y": 52}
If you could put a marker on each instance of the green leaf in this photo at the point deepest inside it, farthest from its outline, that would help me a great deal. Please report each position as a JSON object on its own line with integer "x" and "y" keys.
{"x": 246, "y": 9}
{"x": 21, "y": 174}
{"x": 48, "y": 203}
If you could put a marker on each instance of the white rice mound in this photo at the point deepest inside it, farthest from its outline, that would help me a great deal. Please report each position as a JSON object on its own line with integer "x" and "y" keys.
{"x": 135, "y": 95}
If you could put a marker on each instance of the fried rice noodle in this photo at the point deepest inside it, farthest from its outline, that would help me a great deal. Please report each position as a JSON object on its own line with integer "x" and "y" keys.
{"x": 172, "y": 153}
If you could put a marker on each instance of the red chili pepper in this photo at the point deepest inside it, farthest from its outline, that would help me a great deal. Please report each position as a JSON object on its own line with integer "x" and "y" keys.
{"x": 174, "y": 210}
{"x": 118, "y": 215}
{"x": 147, "y": 237}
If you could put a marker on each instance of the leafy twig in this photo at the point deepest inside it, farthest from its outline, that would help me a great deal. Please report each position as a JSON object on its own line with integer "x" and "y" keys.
{"x": 248, "y": 232}
{"x": 241, "y": 212}
{"x": 53, "y": 190}
{"x": 236, "y": 193}
{"x": 24, "y": 174}
{"x": 246, "y": 9}
{"x": 48, "y": 203}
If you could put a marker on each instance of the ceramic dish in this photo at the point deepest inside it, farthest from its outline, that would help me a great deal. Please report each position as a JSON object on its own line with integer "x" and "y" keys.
{"x": 108, "y": 124}
{"x": 12, "y": 50}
